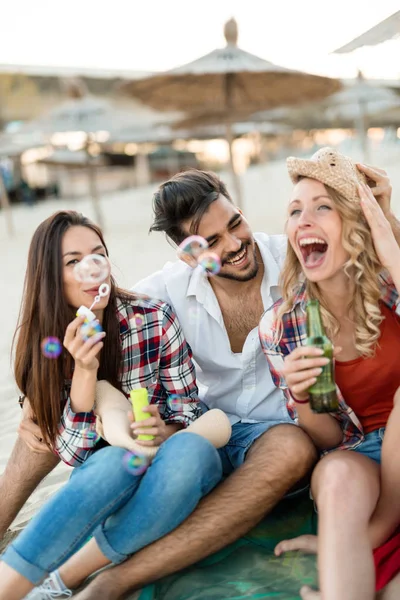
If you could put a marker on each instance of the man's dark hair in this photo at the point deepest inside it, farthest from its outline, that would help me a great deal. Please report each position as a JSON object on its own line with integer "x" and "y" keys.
{"x": 186, "y": 196}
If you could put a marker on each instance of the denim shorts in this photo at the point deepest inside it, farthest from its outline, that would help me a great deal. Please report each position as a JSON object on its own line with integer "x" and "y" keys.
{"x": 243, "y": 437}
{"x": 371, "y": 446}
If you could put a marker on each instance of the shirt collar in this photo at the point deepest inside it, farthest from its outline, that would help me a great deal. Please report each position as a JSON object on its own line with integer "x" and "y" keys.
{"x": 270, "y": 283}
{"x": 198, "y": 284}
{"x": 300, "y": 297}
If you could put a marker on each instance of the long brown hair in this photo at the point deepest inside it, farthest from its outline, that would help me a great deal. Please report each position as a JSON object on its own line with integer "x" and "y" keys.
{"x": 45, "y": 312}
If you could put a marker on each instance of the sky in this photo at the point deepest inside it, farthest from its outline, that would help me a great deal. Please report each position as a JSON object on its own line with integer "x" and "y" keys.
{"x": 156, "y": 35}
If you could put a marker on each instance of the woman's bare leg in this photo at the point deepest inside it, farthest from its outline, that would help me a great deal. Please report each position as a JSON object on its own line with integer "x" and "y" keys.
{"x": 83, "y": 563}
{"x": 12, "y": 585}
{"x": 391, "y": 591}
{"x": 345, "y": 486}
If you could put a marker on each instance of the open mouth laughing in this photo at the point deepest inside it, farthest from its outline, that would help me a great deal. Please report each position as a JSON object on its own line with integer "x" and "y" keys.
{"x": 313, "y": 251}
{"x": 238, "y": 260}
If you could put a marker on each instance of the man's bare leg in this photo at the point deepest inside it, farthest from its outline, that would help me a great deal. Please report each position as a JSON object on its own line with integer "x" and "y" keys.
{"x": 275, "y": 463}
{"x": 24, "y": 471}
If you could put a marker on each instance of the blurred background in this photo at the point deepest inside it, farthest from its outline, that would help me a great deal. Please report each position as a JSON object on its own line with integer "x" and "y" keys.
{"x": 99, "y": 103}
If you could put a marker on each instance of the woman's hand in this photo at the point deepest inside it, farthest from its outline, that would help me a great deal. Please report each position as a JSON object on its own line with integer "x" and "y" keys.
{"x": 379, "y": 184}
{"x": 30, "y": 432}
{"x": 154, "y": 425}
{"x": 383, "y": 238}
{"x": 301, "y": 368}
{"x": 83, "y": 353}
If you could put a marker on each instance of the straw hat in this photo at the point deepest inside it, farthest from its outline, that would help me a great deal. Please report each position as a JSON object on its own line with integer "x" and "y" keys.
{"x": 331, "y": 168}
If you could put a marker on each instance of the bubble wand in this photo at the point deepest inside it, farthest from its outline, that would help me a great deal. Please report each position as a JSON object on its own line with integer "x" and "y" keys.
{"x": 91, "y": 326}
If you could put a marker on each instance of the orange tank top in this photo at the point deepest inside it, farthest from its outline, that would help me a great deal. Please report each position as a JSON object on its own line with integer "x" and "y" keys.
{"x": 368, "y": 385}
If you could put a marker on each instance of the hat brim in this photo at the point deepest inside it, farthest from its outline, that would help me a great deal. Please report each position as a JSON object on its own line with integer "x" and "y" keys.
{"x": 299, "y": 167}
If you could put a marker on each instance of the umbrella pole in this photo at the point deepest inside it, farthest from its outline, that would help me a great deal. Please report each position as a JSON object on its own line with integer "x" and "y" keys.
{"x": 94, "y": 191}
{"x": 6, "y": 208}
{"x": 235, "y": 177}
{"x": 362, "y": 130}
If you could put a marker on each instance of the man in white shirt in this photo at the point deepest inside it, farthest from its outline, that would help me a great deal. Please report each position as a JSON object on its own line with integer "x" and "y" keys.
{"x": 267, "y": 454}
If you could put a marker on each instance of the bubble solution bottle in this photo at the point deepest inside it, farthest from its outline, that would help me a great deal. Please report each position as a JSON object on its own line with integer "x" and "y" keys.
{"x": 140, "y": 401}
{"x": 90, "y": 326}
{"x": 323, "y": 397}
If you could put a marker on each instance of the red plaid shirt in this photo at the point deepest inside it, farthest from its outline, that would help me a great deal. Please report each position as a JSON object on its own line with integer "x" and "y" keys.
{"x": 156, "y": 356}
{"x": 294, "y": 334}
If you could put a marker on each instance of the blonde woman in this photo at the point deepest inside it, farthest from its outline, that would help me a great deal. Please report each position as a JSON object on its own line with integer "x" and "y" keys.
{"x": 342, "y": 251}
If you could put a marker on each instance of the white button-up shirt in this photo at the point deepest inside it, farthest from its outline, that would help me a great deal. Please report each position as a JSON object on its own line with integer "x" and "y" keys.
{"x": 240, "y": 384}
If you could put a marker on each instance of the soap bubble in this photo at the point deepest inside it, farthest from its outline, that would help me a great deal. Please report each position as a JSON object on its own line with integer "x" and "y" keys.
{"x": 90, "y": 435}
{"x": 210, "y": 262}
{"x": 139, "y": 319}
{"x": 175, "y": 402}
{"x": 51, "y": 347}
{"x": 191, "y": 249}
{"x": 93, "y": 268}
{"x": 135, "y": 464}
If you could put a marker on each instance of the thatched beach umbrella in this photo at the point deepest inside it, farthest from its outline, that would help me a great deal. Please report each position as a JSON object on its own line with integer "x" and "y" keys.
{"x": 385, "y": 30}
{"x": 354, "y": 107}
{"x": 229, "y": 83}
{"x": 97, "y": 119}
{"x": 358, "y": 103}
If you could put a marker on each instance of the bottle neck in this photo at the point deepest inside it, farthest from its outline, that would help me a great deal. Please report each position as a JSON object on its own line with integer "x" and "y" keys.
{"x": 315, "y": 327}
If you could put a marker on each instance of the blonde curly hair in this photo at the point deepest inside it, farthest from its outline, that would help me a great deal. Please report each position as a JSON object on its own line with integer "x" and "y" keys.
{"x": 363, "y": 267}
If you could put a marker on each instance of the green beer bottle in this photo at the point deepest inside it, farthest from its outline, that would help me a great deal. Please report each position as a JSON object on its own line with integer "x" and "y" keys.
{"x": 323, "y": 396}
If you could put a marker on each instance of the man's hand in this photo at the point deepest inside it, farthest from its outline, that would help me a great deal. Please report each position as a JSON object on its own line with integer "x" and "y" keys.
{"x": 29, "y": 432}
{"x": 379, "y": 182}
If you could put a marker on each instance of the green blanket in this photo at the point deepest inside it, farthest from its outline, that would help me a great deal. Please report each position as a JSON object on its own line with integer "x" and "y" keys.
{"x": 248, "y": 568}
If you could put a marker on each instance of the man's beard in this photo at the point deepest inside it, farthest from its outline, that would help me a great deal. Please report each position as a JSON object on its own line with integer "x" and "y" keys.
{"x": 247, "y": 276}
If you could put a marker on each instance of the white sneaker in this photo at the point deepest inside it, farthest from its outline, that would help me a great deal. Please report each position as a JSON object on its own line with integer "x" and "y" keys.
{"x": 49, "y": 589}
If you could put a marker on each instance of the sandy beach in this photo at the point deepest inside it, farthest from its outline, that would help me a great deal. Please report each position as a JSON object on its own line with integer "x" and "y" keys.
{"x": 134, "y": 254}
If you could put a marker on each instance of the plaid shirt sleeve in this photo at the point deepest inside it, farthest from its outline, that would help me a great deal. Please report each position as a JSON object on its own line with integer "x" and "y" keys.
{"x": 390, "y": 296}
{"x": 275, "y": 351}
{"x": 76, "y": 434}
{"x": 155, "y": 355}
{"x": 178, "y": 397}
{"x": 293, "y": 334}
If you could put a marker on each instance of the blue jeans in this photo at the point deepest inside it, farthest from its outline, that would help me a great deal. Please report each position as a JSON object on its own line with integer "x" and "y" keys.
{"x": 372, "y": 445}
{"x": 124, "y": 512}
{"x": 243, "y": 437}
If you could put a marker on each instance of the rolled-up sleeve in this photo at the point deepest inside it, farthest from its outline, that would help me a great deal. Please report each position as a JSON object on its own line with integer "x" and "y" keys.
{"x": 275, "y": 352}
{"x": 76, "y": 437}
